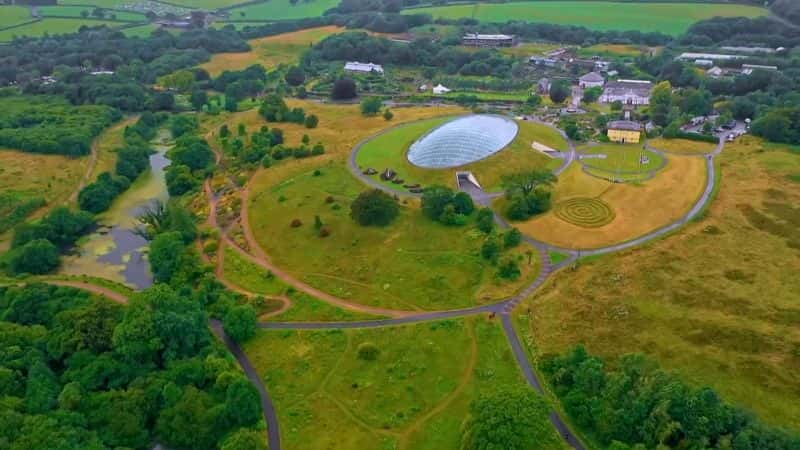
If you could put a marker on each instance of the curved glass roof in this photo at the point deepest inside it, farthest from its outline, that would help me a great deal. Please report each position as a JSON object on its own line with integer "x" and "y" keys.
{"x": 462, "y": 141}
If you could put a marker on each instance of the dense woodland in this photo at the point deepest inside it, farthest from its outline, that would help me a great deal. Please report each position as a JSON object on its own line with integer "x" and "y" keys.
{"x": 635, "y": 405}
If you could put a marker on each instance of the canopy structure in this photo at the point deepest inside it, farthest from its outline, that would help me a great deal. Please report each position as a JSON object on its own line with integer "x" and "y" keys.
{"x": 463, "y": 141}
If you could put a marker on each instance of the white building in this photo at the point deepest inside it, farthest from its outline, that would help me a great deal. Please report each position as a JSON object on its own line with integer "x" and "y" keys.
{"x": 590, "y": 80}
{"x": 356, "y": 66}
{"x": 689, "y": 56}
{"x": 628, "y": 92}
{"x": 440, "y": 90}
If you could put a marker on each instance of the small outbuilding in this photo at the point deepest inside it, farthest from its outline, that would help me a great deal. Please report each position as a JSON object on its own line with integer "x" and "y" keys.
{"x": 624, "y": 131}
{"x": 591, "y": 79}
{"x": 440, "y": 90}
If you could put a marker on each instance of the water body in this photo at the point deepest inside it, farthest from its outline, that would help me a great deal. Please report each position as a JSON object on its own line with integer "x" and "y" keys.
{"x": 115, "y": 251}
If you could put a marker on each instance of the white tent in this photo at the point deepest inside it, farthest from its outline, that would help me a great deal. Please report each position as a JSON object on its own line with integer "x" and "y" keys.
{"x": 439, "y": 90}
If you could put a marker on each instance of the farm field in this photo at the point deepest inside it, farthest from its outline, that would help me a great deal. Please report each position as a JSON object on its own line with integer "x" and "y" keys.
{"x": 282, "y": 10}
{"x": 637, "y": 208}
{"x": 206, "y": 4}
{"x": 270, "y": 51}
{"x": 75, "y": 11}
{"x": 412, "y": 264}
{"x": 413, "y": 395}
{"x": 613, "y": 50}
{"x": 668, "y": 18}
{"x": 53, "y": 26}
{"x": 142, "y": 31}
{"x": 682, "y": 146}
{"x": 389, "y": 151}
{"x": 14, "y": 15}
{"x": 719, "y": 303}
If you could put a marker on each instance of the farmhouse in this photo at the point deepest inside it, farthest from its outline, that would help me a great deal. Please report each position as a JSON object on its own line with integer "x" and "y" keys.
{"x": 590, "y": 80}
{"x": 624, "y": 131}
{"x": 356, "y": 66}
{"x": 629, "y": 92}
{"x": 489, "y": 40}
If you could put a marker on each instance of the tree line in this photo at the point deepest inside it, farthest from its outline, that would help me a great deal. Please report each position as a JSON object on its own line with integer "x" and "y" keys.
{"x": 636, "y": 405}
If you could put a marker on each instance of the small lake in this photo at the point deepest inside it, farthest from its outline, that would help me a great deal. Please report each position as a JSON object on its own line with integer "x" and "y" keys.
{"x": 114, "y": 251}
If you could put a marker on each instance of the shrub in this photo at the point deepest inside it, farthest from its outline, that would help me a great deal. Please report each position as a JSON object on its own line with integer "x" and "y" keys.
{"x": 491, "y": 249}
{"x": 240, "y": 322}
{"x": 329, "y": 199}
{"x": 371, "y": 106}
{"x": 36, "y": 257}
{"x": 368, "y": 351}
{"x": 485, "y": 220}
{"x": 311, "y": 121}
{"x": 388, "y": 115}
{"x": 512, "y": 238}
{"x": 374, "y": 207}
{"x": 296, "y": 223}
{"x": 324, "y": 231}
{"x": 509, "y": 268}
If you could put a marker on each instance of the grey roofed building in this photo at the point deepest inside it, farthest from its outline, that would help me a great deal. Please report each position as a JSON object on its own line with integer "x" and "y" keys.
{"x": 355, "y": 66}
{"x": 629, "y": 92}
{"x": 626, "y": 125}
{"x": 591, "y": 79}
{"x": 489, "y": 40}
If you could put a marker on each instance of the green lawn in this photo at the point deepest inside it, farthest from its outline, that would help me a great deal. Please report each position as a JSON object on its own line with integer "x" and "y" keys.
{"x": 52, "y": 26}
{"x": 389, "y": 151}
{"x": 75, "y": 11}
{"x": 282, "y": 10}
{"x": 414, "y": 395}
{"x": 622, "y": 159}
{"x": 13, "y": 15}
{"x": 415, "y": 263}
{"x": 669, "y": 18}
{"x": 207, "y": 4}
{"x": 142, "y": 31}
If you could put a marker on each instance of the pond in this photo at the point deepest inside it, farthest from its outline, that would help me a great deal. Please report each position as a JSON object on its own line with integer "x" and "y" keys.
{"x": 115, "y": 251}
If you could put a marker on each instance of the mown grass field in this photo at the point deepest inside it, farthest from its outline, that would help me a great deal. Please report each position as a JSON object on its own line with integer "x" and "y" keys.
{"x": 682, "y": 146}
{"x": 638, "y": 207}
{"x": 53, "y": 26}
{"x": 389, "y": 151}
{"x": 75, "y": 11}
{"x": 282, "y": 10}
{"x": 13, "y": 15}
{"x": 414, "y": 263}
{"x": 206, "y": 4}
{"x": 668, "y": 18}
{"x": 270, "y": 51}
{"x": 718, "y": 302}
{"x": 620, "y": 158}
{"x": 141, "y": 31}
{"x": 414, "y": 395}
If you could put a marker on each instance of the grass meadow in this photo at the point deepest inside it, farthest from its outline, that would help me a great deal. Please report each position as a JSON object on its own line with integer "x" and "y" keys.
{"x": 270, "y": 51}
{"x": 75, "y": 11}
{"x": 638, "y": 207}
{"x": 13, "y": 15}
{"x": 668, "y": 18}
{"x": 682, "y": 146}
{"x": 281, "y": 9}
{"x": 52, "y": 26}
{"x": 389, "y": 151}
{"x": 621, "y": 158}
{"x": 719, "y": 302}
{"x": 414, "y": 263}
{"x": 414, "y": 395}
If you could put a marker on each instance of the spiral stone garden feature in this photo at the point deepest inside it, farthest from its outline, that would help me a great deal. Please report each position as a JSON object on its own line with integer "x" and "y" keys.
{"x": 584, "y": 212}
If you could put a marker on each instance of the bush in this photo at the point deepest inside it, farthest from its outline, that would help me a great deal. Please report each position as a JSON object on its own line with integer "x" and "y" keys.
{"x": 371, "y": 106}
{"x": 240, "y": 323}
{"x": 368, "y": 351}
{"x": 485, "y": 220}
{"x": 36, "y": 257}
{"x": 325, "y": 231}
{"x": 512, "y": 238}
{"x": 296, "y": 223}
{"x": 388, "y": 115}
{"x": 509, "y": 268}
{"x": 491, "y": 249}
{"x": 311, "y": 121}
{"x": 374, "y": 207}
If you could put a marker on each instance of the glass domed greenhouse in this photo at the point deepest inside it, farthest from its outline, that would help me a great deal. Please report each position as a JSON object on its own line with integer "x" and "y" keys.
{"x": 462, "y": 141}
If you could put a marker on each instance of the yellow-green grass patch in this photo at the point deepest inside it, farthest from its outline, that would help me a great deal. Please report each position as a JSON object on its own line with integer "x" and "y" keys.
{"x": 14, "y": 15}
{"x": 718, "y": 302}
{"x": 52, "y": 26}
{"x": 51, "y": 177}
{"x": 414, "y": 263}
{"x": 141, "y": 31}
{"x": 76, "y": 11}
{"x": 389, "y": 151}
{"x": 415, "y": 394}
{"x": 638, "y": 208}
{"x": 270, "y": 51}
{"x": 206, "y": 4}
{"x": 528, "y": 49}
{"x": 247, "y": 275}
{"x": 613, "y": 50}
{"x": 668, "y": 18}
{"x": 682, "y": 146}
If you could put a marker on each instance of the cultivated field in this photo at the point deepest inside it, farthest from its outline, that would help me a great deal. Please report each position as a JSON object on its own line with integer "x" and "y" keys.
{"x": 270, "y": 51}
{"x": 389, "y": 151}
{"x": 282, "y": 10}
{"x": 53, "y": 26}
{"x": 13, "y": 15}
{"x": 637, "y": 208}
{"x": 413, "y": 395}
{"x": 718, "y": 302}
{"x": 75, "y": 11}
{"x": 669, "y": 18}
